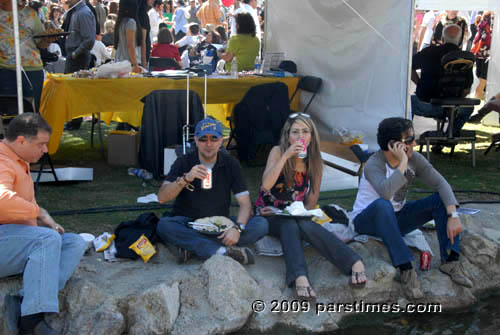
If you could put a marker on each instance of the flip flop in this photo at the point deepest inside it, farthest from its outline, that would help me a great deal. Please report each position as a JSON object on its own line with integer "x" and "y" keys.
{"x": 309, "y": 289}
{"x": 357, "y": 285}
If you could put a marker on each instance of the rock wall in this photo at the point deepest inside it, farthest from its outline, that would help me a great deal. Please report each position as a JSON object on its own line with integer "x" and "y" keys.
{"x": 218, "y": 296}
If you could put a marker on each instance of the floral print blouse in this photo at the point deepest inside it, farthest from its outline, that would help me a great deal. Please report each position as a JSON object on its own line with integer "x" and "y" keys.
{"x": 281, "y": 195}
{"x": 29, "y": 25}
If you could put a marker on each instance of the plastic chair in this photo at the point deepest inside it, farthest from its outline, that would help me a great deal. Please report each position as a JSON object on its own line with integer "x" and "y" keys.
{"x": 164, "y": 63}
{"x": 309, "y": 84}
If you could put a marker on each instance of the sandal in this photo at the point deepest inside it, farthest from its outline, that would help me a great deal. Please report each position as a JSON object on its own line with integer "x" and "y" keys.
{"x": 356, "y": 275}
{"x": 309, "y": 290}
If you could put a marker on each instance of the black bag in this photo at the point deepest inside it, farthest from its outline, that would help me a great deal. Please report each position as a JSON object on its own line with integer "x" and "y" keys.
{"x": 129, "y": 231}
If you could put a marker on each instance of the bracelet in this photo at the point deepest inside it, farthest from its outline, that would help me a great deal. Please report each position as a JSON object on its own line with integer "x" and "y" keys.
{"x": 185, "y": 179}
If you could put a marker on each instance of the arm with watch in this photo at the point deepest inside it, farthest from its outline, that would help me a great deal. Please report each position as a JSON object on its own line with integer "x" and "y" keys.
{"x": 231, "y": 236}
{"x": 170, "y": 190}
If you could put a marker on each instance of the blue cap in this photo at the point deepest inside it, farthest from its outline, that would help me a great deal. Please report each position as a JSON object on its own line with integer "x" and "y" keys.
{"x": 208, "y": 126}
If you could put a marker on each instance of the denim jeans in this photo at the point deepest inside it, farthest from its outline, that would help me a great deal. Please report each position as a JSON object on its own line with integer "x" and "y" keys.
{"x": 379, "y": 219}
{"x": 292, "y": 231}
{"x": 174, "y": 230}
{"x": 32, "y": 82}
{"x": 425, "y": 109}
{"x": 44, "y": 257}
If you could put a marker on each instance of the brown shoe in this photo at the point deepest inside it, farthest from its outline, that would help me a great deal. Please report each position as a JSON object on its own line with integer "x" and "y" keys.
{"x": 411, "y": 285}
{"x": 242, "y": 255}
{"x": 457, "y": 273}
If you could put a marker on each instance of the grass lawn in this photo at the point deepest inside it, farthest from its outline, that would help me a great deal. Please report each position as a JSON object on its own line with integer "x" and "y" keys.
{"x": 112, "y": 186}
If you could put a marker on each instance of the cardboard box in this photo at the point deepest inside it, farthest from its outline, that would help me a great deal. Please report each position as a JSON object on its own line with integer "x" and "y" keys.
{"x": 123, "y": 147}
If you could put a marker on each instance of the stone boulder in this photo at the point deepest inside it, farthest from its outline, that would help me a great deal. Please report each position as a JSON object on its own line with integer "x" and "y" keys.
{"x": 220, "y": 296}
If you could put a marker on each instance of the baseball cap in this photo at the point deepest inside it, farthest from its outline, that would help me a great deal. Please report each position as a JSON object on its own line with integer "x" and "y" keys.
{"x": 208, "y": 126}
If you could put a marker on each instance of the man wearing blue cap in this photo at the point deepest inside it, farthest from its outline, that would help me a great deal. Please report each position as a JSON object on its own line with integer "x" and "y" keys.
{"x": 184, "y": 184}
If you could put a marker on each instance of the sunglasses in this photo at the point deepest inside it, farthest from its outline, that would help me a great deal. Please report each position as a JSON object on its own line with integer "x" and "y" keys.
{"x": 294, "y": 115}
{"x": 205, "y": 139}
{"x": 408, "y": 140}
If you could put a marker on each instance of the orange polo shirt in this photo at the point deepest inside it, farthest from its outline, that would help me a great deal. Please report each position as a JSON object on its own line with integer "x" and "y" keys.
{"x": 17, "y": 195}
{"x": 209, "y": 15}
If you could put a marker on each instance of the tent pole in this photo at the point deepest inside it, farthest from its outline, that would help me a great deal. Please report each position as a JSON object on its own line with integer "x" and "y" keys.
{"x": 410, "y": 55}
{"x": 17, "y": 48}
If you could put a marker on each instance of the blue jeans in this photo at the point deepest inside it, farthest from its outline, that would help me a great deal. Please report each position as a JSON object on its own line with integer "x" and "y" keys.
{"x": 425, "y": 109}
{"x": 292, "y": 231}
{"x": 44, "y": 257}
{"x": 379, "y": 219}
{"x": 174, "y": 230}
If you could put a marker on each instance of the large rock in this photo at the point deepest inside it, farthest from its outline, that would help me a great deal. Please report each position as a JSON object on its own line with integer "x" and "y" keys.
{"x": 219, "y": 295}
{"x": 154, "y": 311}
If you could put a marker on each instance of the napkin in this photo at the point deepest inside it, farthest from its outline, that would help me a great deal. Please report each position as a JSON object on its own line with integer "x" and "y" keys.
{"x": 297, "y": 208}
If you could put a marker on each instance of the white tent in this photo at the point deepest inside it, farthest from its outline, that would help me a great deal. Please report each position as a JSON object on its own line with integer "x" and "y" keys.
{"x": 361, "y": 49}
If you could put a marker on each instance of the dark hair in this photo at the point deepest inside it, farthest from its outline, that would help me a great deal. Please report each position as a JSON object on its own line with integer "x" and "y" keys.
{"x": 170, "y": 8}
{"x": 245, "y": 24}
{"x": 246, "y": 1}
{"x": 53, "y": 9}
{"x": 127, "y": 9}
{"x": 165, "y": 36}
{"x": 194, "y": 29}
{"x": 392, "y": 129}
{"x": 36, "y": 5}
{"x": 113, "y": 7}
{"x": 157, "y": 3}
{"x": 215, "y": 36}
{"x": 222, "y": 33}
{"x": 27, "y": 125}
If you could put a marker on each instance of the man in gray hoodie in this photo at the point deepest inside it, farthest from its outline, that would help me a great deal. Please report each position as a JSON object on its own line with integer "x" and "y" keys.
{"x": 381, "y": 208}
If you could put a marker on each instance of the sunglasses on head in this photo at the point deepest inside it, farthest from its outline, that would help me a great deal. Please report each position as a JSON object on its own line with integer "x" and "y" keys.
{"x": 294, "y": 115}
{"x": 205, "y": 139}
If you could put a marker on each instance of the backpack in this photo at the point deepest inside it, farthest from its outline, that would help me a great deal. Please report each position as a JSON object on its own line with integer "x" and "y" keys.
{"x": 128, "y": 232}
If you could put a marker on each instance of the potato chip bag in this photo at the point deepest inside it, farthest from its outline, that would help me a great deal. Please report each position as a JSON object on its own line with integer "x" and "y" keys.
{"x": 103, "y": 241}
{"x": 143, "y": 248}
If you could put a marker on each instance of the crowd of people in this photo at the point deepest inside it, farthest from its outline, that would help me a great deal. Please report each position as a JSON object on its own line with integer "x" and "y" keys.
{"x": 102, "y": 31}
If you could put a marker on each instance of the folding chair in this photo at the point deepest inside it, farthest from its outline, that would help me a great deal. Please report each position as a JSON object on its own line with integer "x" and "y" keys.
{"x": 161, "y": 62}
{"x": 308, "y": 84}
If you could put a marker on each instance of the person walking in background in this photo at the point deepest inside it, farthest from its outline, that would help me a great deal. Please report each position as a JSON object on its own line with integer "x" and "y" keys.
{"x": 168, "y": 13}
{"x": 451, "y": 17}
{"x": 427, "y": 30}
{"x": 193, "y": 10}
{"x": 181, "y": 16}
{"x": 290, "y": 177}
{"x": 481, "y": 48}
{"x": 209, "y": 13}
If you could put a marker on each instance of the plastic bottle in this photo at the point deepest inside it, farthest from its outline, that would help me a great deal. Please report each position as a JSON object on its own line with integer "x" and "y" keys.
{"x": 141, "y": 173}
{"x": 234, "y": 68}
{"x": 257, "y": 65}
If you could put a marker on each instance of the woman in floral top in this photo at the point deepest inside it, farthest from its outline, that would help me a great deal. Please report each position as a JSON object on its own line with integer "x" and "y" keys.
{"x": 29, "y": 25}
{"x": 288, "y": 178}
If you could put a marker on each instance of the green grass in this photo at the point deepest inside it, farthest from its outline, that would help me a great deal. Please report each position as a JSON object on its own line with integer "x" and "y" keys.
{"x": 112, "y": 186}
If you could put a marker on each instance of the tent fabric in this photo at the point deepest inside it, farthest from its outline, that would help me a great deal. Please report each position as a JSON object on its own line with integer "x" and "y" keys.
{"x": 359, "y": 48}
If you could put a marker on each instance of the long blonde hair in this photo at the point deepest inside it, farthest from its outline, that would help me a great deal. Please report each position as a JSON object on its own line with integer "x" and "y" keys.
{"x": 313, "y": 161}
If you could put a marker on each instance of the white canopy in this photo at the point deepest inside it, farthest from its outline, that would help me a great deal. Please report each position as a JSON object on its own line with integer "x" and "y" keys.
{"x": 361, "y": 50}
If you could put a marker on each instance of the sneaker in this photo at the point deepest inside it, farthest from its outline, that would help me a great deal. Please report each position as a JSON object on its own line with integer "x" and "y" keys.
{"x": 457, "y": 273}
{"x": 411, "y": 285}
{"x": 242, "y": 255}
{"x": 42, "y": 328}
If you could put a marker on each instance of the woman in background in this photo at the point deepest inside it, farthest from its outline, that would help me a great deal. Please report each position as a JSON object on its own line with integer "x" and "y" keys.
{"x": 481, "y": 48}
{"x": 168, "y": 13}
{"x": 244, "y": 46}
{"x": 128, "y": 35}
{"x": 289, "y": 177}
{"x": 165, "y": 48}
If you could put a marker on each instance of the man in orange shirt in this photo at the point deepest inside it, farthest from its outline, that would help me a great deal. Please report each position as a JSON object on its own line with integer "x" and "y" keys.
{"x": 209, "y": 13}
{"x": 32, "y": 243}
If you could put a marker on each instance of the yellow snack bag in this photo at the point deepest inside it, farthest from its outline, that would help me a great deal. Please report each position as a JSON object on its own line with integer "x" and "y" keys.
{"x": 143, "y": 248}
{"x": 103, "y": 241}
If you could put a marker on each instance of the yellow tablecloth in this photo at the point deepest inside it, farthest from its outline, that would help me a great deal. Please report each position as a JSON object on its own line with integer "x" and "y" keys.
{"x": 65, "y": 98}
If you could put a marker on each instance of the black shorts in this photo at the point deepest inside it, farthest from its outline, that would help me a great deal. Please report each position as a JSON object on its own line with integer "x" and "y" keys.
{"x": 482, "y": 68}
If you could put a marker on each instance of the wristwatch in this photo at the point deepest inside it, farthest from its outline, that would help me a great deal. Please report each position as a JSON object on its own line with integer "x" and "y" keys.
{"x": 239, "y": 227}
{"x": 453, "y": 215}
